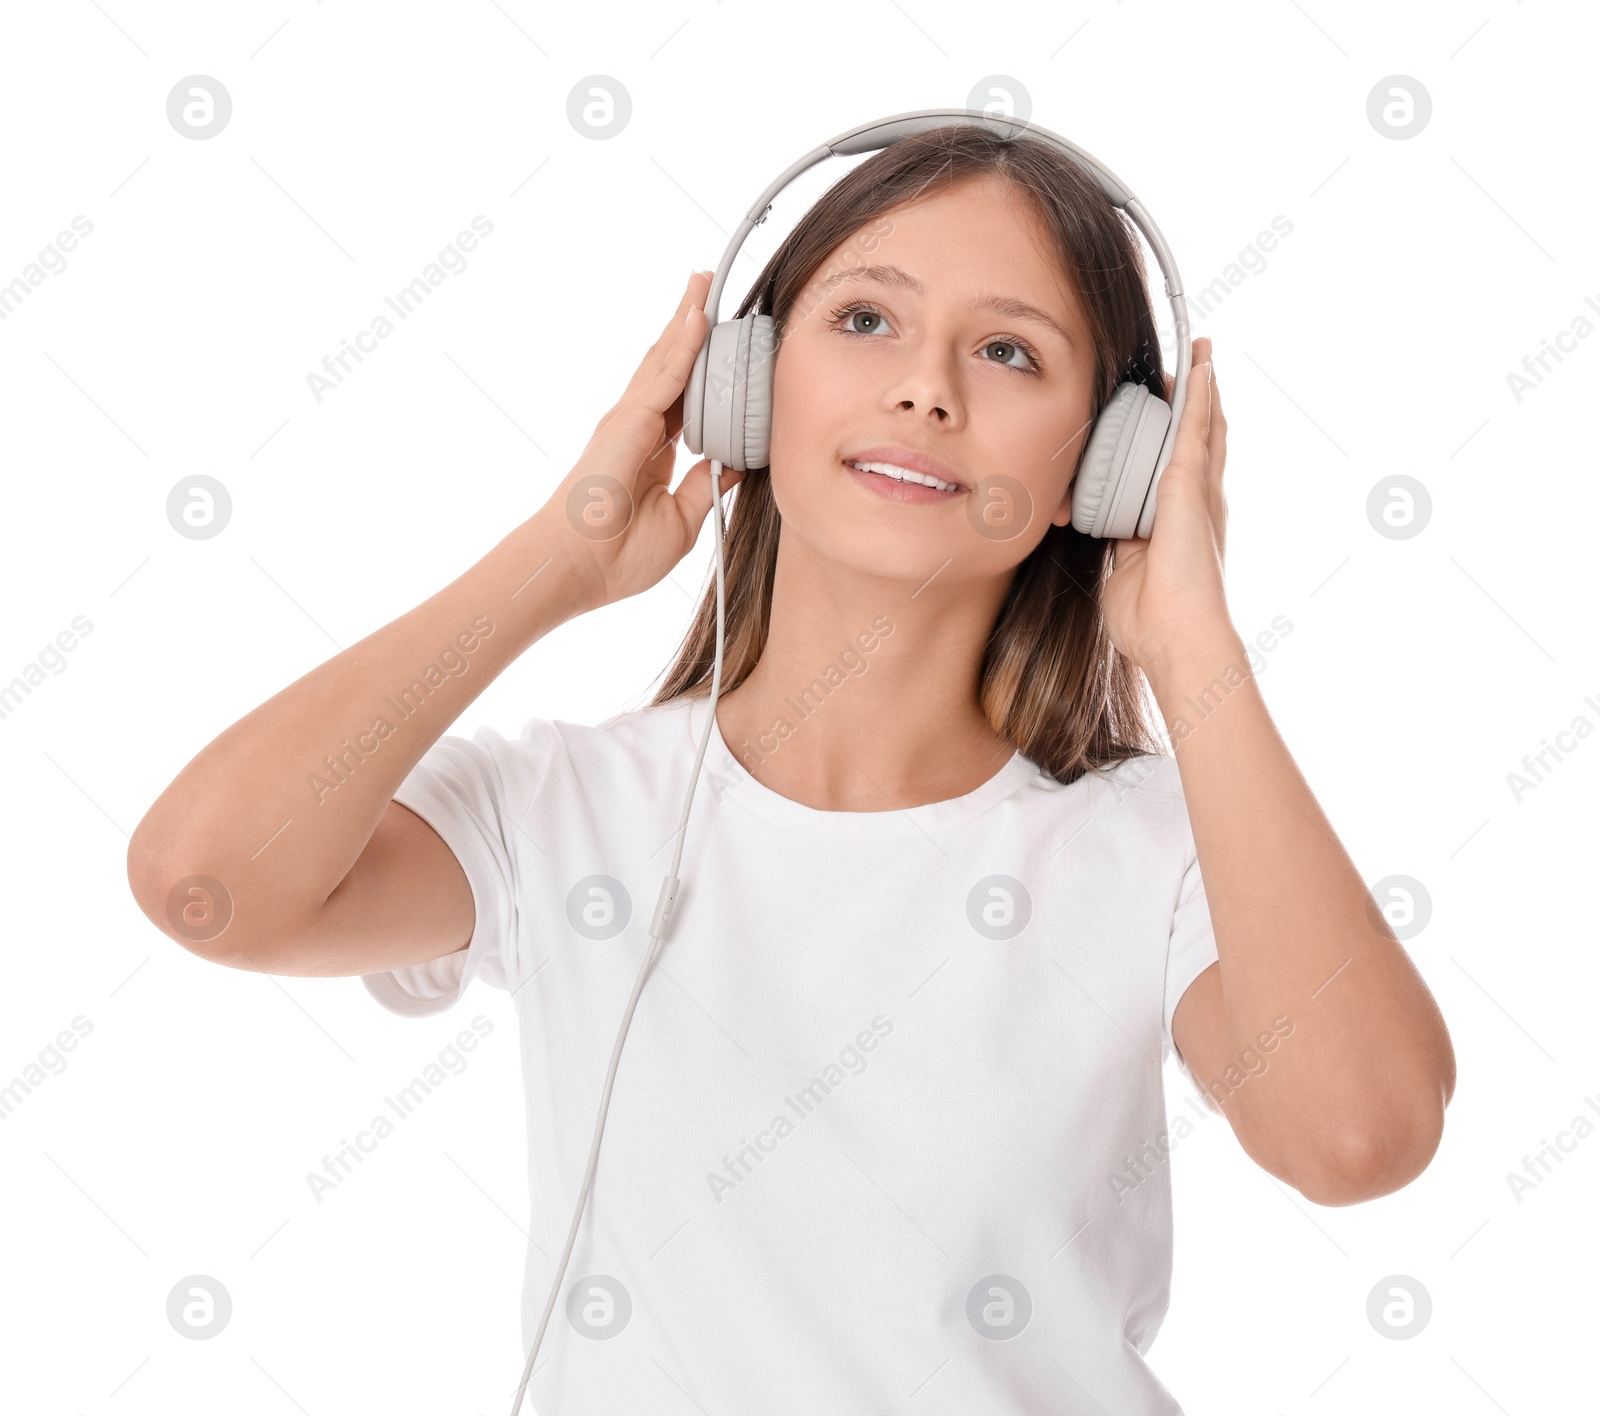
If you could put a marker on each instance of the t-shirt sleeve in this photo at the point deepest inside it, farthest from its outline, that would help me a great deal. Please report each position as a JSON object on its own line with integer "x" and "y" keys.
{"x": 472, "y": 791}
{"x": 1191, "y": 950}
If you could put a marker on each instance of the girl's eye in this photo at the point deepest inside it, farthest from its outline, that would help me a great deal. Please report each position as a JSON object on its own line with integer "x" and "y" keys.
{"x": 860, "y": 319}
{"x": 1009, "y": 352}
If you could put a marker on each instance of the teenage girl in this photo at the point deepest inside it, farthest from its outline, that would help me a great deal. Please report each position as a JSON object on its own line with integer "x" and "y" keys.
{"x": 889, "y": 1131}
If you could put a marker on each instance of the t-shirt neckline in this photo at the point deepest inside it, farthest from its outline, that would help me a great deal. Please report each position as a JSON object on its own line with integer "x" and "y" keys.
{"x": 735, "y": 782}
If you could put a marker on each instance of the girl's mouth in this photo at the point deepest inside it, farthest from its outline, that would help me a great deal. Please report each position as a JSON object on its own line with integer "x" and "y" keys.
{"x": 900, "y": 483}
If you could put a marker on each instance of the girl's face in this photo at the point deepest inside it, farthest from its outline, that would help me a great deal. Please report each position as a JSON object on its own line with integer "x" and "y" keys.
{"x": 944, "y": 339}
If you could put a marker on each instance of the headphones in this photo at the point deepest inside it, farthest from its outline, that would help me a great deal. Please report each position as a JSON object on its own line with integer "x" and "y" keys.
{"x": 1113, "y": 495}
{"x": 1114, "y": 492}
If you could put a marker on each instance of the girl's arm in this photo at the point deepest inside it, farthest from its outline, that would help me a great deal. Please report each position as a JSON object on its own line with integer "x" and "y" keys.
{"x": 1346, "y": 1099}
{"x": 284, "y": 827}
{"x": 269, "y": 820}
{"x": 1333, "y": 1059}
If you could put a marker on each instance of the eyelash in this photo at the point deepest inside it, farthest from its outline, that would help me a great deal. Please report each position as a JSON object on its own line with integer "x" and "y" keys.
{"x": 845, "y": 311}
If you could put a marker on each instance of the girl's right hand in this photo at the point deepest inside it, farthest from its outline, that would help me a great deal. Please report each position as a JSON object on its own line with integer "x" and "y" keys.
{"x": 614, "y": 511}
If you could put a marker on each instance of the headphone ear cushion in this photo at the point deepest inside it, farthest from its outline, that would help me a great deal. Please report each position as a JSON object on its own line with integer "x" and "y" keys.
{"x": 762, "y": 350}
{"x": 1119, "y": 462}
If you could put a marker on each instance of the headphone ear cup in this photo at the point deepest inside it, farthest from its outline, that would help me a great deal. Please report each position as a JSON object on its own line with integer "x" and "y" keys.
{"x": 734, "y": 396}
{"x": 1119, "y": 463}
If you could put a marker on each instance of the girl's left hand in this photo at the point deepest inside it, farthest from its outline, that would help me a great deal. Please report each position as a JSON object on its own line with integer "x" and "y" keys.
{"x": 1165, "y": 593}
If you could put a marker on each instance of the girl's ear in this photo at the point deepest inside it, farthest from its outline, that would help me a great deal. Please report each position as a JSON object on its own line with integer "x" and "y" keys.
{"x": 1063, "y": 512}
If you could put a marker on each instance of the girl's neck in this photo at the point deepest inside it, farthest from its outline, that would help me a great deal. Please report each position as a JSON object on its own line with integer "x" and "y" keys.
{"x": 877, "y": 723}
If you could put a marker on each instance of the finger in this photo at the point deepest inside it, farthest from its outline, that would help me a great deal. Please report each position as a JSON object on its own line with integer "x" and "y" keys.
{"x": 1217, "y": 457}
{"x": 694, "y": 293}
{"x": 694, "y": 297}
{"x": 1199, "y": 353}
{"x": 665, "y": 386}
{"x": 1191, "y": 448}
{"x": 1128, "y": 551}
{"x": 1217, "y": 444}
{"x": 647, "y": 420}
{"x": 657, "y": 388}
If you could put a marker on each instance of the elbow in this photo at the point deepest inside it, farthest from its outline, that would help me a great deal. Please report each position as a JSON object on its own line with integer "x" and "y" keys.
{"x": 1391, "y": 1141}
{"x": 193, "y": 909}
{"x": 1366, "y": 1164}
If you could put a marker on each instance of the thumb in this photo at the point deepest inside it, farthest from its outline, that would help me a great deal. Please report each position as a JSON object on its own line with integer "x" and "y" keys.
{"x": 693, "y": 497}
{"x": 1129, "y": 551}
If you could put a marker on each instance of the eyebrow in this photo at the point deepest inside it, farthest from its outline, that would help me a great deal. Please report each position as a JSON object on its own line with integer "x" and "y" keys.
{"x": 896, "y": 278}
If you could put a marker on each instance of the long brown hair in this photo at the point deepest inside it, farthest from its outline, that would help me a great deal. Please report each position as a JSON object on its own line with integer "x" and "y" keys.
{"x": 1051, "y": 683}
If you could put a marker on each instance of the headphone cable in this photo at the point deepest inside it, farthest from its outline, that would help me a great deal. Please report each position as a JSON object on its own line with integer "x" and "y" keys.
{"x": 658, "y": 928}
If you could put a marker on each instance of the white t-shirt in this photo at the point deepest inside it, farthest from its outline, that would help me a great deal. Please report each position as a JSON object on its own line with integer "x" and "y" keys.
{"x": 868, "y": 1147}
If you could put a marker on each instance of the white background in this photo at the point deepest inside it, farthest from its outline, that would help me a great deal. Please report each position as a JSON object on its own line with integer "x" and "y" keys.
{"x": 177, "y": 341}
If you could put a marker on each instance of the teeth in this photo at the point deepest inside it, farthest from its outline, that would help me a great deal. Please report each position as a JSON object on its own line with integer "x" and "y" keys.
{"x": 901, "y": 474}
